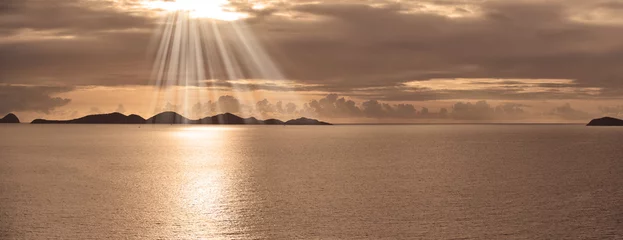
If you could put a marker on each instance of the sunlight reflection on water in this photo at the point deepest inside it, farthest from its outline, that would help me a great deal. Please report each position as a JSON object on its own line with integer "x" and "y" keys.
{"x": 205, "y": 184}
{"x": 211, "y": 133}
{"x": 310, "y": 182}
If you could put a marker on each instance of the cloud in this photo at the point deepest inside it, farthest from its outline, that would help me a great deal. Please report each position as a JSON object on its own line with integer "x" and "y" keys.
{"x": 386, "y": 47}
{"x": 169, "y": 107}
{"x": 21, "y": 98}
{"x": 72, "y": 15}
{"x": 350, "y": 47}
{"x": 481, "y": 110}
{"x": 510, "y": 108}
{"x": 290, "y": 108}
{"x": 569, "y": 113}
{"x": 265, "y": 107}
{"x": 334, "y": 107}
{"x": 74, "y": 42}
{"x": 223, "y": 104}
{"x": 287, "y": 109}
{"x": 95, "y": 110}
{"x": 228, "y": 104}
{"x": 120, "y": 109}
{"x": 612, "y": 110}
{"x": 374, "y": 109}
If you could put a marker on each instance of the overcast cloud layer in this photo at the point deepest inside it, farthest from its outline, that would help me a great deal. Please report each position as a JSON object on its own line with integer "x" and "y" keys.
{"x": 372, "y": 52}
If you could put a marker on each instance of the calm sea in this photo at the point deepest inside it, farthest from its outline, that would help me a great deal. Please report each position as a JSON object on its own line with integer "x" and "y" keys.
{"x": 311, "y": 182}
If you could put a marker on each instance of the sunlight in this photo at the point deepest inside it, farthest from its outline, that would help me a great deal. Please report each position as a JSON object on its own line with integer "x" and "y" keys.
{"x": 213, "y": 9}
{"x": 204, "y": 190}
{"x": 199, "y": 47}
{"x": 205, "y": 133}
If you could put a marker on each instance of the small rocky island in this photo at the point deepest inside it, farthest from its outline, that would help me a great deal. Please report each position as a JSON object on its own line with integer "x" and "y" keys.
{"x": 9, "y": 118}
{"x": 606, "y": 121}
{"x": 176, "y": 118}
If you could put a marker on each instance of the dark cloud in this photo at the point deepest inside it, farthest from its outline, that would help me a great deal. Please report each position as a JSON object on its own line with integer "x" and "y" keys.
{"x": 72, "y": 16}
{"x": 18, "y": 98}
{"x": 74, "y": 42}
{"x": 384, "y": 47}
{"x": 114, "y": 59}
{"x": 7, "y": 5}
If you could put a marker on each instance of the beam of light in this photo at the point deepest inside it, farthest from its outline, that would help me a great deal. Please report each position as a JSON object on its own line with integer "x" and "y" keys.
{"x": 200, "y": 55}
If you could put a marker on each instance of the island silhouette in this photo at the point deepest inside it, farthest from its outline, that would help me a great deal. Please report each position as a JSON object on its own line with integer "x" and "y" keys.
{"x": 225, "y": 118}
{"x": 176, "y": 118}
{"x": 606, "y": 121}
{"x": 9, "y": 118}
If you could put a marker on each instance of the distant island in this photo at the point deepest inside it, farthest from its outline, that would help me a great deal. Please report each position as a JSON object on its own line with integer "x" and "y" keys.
{"x": 9, "y": 118}
{"x": 176, "y": 118}
{"x": 606, "y": 121}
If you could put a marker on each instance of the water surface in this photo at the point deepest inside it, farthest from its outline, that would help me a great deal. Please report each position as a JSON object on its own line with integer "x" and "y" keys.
{"x": 310, "y": 182}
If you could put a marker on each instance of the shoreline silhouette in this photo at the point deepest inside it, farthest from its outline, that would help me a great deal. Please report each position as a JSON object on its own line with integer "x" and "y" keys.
{"x": 176, "y": 118}
{"x": 9, "y": 118}
{"x": 219, "y": 119}
{"x": 605, "y": 121}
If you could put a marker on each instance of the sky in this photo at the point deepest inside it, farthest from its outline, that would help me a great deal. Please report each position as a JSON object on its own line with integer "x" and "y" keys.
{"x": 345, "y": 61}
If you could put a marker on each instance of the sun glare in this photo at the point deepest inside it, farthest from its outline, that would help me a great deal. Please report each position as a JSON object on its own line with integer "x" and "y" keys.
{"x": 213, "y": 9}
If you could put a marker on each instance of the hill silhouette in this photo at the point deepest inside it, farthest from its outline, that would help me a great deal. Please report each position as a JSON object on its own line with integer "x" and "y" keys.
{"x": 274, "y": 122}
{"x": 110, "y": 118}
{"x": 9, "y": 118}
{"x": 306, "y": 121}
{"x": 606, "y": 121}
{"x": 169, "y": 118}
{"x": 176, "y": 118}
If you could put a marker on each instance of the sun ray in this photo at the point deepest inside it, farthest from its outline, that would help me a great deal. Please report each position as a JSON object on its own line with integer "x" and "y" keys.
{"x": 197, "y": 56}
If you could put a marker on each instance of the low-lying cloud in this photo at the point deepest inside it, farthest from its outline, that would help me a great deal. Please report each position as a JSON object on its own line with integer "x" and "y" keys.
{"x": 335, "y": 107}
{"x": 20, "y": 98}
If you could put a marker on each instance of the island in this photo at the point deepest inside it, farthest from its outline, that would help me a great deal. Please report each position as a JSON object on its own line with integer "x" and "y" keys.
{"x": 111, "y": 118}
{"x": 606, "y": 121}
{"x": 176, "y": 118}
{"x": 9, "y": 118}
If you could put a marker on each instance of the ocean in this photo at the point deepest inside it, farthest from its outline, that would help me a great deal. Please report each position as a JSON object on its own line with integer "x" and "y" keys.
{"x": 311, "y": 182}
